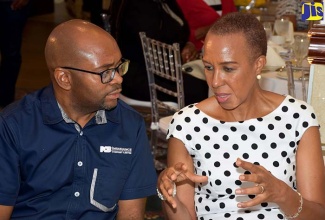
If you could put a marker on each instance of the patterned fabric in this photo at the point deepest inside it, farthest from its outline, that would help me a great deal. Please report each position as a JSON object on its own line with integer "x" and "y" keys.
{"x": 216, "y": 5}
{"x": 214, "y": 145}
{"x": 292, "y": 7}
{"x": 222, "y": 7}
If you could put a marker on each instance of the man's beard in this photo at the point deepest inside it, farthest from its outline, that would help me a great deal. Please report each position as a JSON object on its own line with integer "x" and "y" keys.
{"x": 103, "y": 105}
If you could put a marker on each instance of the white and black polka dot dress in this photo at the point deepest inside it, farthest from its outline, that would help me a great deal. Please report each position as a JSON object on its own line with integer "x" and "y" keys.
{"x": 214, "y": 145}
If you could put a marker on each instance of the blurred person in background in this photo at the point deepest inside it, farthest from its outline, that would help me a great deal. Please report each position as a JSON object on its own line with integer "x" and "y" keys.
{"x": 222, "y": 7}
{"x": 200, "y": 17}
{"x": 130, "y": 17}
{"x": 13, "y": 18}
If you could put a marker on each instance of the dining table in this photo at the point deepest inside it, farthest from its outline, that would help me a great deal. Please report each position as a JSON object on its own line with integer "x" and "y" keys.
{"x": 276, "y": 81}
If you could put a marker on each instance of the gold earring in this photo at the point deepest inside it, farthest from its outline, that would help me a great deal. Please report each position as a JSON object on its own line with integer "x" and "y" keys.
{"x": 258, "y": 76}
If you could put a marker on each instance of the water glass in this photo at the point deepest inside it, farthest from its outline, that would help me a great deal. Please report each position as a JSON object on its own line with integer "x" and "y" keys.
{"x": 300, "y": 48}
{"x": 268, "y": 27}
{"x": 281, "y": 26}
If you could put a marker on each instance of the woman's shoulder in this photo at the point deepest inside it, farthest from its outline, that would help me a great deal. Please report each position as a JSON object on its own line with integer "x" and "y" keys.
{"x": 296, "y": 104}
{"x": 187, "y": 110}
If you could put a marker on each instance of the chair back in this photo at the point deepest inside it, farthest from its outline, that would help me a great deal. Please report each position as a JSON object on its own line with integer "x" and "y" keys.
{"x": 163, "y": 61}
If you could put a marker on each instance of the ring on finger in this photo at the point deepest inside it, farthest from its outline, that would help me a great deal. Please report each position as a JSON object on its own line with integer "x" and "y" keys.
{"x": 162, "y": 197}
{"x": 262, "y": 188}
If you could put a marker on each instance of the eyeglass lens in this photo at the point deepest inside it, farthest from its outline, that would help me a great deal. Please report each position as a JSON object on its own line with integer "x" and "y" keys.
{"x": 109, "y": 74}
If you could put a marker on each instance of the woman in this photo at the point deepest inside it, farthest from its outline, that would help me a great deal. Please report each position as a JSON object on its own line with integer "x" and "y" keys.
{"x": 244, "y": 153}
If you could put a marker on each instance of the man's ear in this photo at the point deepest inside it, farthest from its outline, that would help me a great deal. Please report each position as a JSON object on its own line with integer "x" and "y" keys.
{"x": 62, "y": 78}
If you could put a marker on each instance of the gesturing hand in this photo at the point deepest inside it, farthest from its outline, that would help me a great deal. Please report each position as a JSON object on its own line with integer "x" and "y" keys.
{"x": 171, "y": 175}
{"x": 267, "y": 187}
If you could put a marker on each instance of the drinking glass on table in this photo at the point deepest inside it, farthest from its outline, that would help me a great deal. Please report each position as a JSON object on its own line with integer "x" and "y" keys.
{"x": 300, "y": 48}
{"x": 268, "y": 27}
{"x": 281, "y": 26}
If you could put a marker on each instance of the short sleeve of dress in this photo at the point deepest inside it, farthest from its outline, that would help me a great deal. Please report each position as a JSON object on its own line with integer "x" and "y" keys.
{"x": 181, "y": 123}
{"x": 300, "y": 111}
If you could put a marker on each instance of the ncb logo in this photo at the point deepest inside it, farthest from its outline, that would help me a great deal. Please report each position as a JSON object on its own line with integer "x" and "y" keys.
{"x": 312, "y": 11}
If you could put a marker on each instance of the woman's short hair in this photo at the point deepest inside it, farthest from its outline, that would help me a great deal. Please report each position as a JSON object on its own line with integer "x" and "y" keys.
{"x": 249, "y": 25}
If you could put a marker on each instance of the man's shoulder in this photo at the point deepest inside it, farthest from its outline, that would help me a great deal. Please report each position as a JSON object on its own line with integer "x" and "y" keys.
{"x": 27, "y": 106}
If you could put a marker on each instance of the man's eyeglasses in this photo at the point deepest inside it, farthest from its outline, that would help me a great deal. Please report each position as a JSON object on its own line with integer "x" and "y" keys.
{"x": 107, "y": 75}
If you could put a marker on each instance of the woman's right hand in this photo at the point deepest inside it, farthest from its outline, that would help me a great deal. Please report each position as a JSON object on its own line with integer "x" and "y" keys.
{"x": 172, "y": 175}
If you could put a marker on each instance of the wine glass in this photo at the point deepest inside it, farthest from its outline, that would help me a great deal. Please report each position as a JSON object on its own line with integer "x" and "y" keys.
{"x": 300, "y": 51}
{"x": 300, "y": 48}
{"x": 281, "y": 26}
{"x": 268, "y": 29}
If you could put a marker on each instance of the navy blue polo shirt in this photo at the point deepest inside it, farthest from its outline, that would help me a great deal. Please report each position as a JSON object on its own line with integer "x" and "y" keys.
{"x": 51, "y": 170}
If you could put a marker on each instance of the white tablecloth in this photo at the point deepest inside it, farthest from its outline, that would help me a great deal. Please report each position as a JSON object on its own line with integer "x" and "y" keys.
{"x": 271, "y": 82}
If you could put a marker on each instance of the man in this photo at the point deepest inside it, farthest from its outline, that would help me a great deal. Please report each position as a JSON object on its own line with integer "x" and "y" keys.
{"x": 13, "y": 18}
{"x": 72, "y": 150}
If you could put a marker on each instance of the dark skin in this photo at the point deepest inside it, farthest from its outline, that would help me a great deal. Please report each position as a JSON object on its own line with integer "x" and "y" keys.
{"x": 94, "y": 55}
{"x": 80, "y": 44}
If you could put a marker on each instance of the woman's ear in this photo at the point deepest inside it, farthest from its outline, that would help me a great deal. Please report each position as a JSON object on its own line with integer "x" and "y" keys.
{"x": 260, "y": 63}
{"x": 62, "y": 78}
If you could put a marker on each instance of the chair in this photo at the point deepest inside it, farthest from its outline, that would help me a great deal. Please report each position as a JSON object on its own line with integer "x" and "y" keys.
{"x": 163, "y": 61}
{"x": 303, "y": 75}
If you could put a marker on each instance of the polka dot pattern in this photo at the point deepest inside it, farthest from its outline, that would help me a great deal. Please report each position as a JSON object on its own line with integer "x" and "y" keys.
{"x": 270, "y": 141}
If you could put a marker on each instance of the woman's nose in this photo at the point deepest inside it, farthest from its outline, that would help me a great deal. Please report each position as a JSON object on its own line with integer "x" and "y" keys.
{"x": 217, "y": 79}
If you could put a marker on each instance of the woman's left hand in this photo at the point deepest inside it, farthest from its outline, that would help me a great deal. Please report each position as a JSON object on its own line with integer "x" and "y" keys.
{"x": 267, "y": 187}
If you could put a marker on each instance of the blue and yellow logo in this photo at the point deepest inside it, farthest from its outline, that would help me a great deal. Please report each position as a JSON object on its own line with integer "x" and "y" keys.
{"x": 312, "y": 11}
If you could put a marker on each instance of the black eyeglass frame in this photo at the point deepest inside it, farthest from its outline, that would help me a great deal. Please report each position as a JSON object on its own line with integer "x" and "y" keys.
{"x": 114, "y": 70}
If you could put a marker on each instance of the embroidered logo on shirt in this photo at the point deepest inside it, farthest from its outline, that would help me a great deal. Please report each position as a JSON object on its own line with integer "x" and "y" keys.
{"x": 115, "y": 150}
